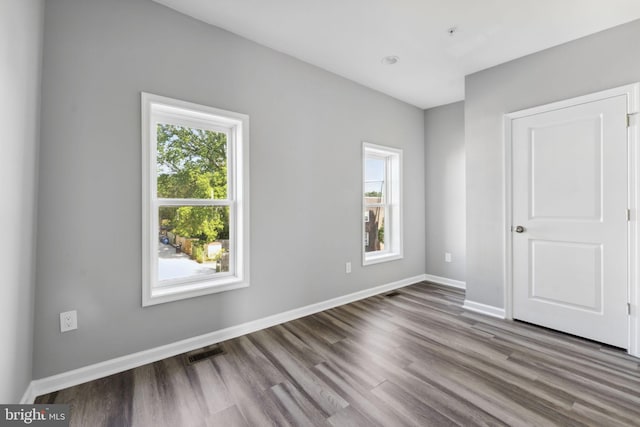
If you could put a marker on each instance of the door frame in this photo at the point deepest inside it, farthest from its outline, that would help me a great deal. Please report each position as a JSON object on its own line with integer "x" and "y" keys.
{"x": 632, "y": 91}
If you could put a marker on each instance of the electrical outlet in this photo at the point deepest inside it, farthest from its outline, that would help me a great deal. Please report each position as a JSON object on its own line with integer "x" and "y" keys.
{"x": 447, "y": 257}
{"x": 68, "y": 321}
{"x": 348, "y": 267}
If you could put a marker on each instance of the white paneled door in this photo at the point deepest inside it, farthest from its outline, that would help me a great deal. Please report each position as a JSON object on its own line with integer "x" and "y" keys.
{"x": 569, "y": 199}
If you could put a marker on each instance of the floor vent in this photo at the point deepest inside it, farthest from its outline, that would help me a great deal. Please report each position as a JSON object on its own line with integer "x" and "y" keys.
{"x": 392, "y": 294}
{"x": 204, "y": 353}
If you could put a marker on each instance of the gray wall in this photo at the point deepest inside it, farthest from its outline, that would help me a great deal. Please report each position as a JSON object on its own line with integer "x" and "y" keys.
{"x": 445, "y": 190}
{"x": 21, "y": 55}
{"x": 594, "y": 63}
{"x": 306, "y": 131}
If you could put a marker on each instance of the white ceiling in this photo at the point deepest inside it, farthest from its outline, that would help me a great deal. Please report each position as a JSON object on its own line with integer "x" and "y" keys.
{"x": 350, "y": 37}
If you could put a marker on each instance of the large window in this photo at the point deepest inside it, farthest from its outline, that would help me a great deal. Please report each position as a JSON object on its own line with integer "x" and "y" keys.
{"x": 382, "y": 194}
{"x": 195, "y": 199}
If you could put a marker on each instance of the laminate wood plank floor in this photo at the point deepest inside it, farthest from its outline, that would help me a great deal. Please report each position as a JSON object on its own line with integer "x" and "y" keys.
{"x": 413, "y": 359}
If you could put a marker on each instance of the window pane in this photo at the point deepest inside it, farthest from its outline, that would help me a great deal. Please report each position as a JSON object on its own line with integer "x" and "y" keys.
{"x": 193, "y": 241}
{"x": 191, "y": 163}
{"x": 374, "y": 236}
{"x": 374, "y": 180}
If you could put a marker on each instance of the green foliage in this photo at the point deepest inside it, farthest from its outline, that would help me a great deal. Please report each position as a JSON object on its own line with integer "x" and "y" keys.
{"x": 197, "y": 253}
{"x": 202, "y": 222}
{"x": 373, "y": 194}
{"x": 381, "y": 235}
{"x": 192, "y": 164}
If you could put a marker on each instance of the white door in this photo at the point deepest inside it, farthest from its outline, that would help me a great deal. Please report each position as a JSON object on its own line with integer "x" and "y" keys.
{"x": 570, "y": 202}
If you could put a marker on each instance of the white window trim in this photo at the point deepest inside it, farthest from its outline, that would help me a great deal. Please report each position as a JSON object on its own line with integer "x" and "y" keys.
{"x": 393, "y": 221}
{"x": 236, "y": 126}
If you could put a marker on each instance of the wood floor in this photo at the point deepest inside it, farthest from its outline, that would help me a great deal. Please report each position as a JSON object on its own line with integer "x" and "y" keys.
{"x": 413, "y": 359}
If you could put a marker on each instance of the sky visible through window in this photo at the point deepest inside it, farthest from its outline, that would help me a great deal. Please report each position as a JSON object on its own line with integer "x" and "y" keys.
{"x": 374, "y": 175}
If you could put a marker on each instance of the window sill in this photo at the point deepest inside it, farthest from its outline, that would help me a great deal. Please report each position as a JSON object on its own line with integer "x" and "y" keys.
{"x": 370, "y": 259}
{"x": 160, "y": 295}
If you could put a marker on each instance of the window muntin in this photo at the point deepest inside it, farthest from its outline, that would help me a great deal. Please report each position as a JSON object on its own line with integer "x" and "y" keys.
{"x": 381, "y": 200}
{"x": 195, "y": 200}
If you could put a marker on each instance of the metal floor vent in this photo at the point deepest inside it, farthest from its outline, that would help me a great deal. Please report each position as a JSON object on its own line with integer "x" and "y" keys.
{"x": 204, "y": 353}
{"x": 392, "y": 294}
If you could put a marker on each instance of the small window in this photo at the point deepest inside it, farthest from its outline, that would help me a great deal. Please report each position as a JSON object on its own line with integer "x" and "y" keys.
{"x": 382, "y": 195}
{"x": 195, "y": 193}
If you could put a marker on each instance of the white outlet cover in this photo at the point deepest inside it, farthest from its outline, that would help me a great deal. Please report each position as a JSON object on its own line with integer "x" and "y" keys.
{"x": 68, "y": 321}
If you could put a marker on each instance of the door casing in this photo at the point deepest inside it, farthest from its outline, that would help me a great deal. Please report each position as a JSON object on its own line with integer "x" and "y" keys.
{"x": 632, "y": 93}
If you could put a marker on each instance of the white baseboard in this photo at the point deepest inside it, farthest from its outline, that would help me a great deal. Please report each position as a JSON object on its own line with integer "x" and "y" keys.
{"x": 29, "y": 395}
{"x": 445, "y": 281}
{"x": 488, "y": 310}
{"x": 121, "y": 364}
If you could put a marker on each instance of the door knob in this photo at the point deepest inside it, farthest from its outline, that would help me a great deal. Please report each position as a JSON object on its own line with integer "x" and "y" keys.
{"x": 519, "y": 229}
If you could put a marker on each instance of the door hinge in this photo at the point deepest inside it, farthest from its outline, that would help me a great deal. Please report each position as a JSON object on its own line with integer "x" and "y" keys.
{"x": 629, "y": 308}
{"x": 628, "y": 214}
